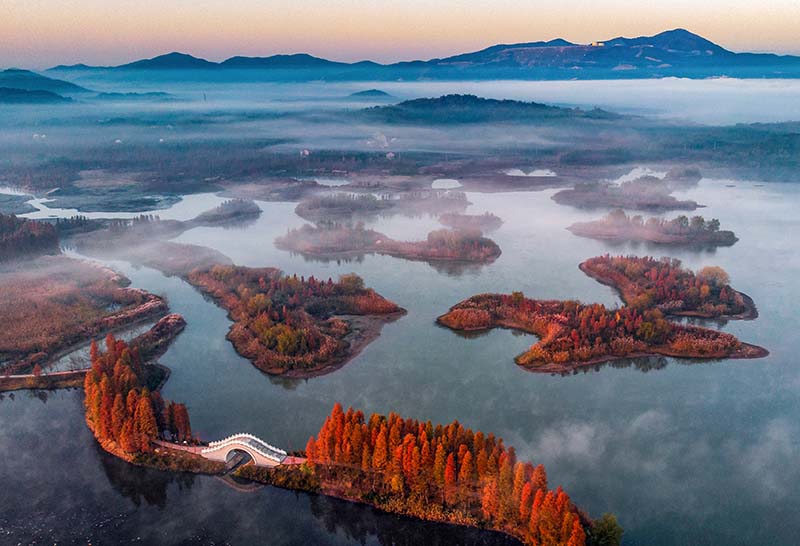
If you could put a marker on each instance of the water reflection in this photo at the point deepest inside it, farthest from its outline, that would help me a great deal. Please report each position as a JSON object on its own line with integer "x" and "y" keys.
{"x": 364, "y": 525}
{"x": 444, "y": 267}
{"x": 141, "y": 485}
{"x": 59, "y": 486}
{"x": 693, "y": 454}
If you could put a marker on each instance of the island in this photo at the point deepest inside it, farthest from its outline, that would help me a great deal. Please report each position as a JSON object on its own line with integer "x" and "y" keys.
{"x": 292, "y": 326}
{"x": 664, "y": 284}
{"x": 574, "y": 335}
{"x": 481, "y": 222}
{"x": 619, "y": 227}
{"x": 340, "y": 206}
{"x": 15, "y": 204}
{"x": 230, "y": 211}
{"x": 336, "y": 240}
{"x": 644, "y": 193}
{"x": 131, "y": 96}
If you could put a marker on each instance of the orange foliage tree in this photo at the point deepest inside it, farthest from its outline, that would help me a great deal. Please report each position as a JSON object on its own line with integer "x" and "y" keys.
{"x": 288, "y": 322}
{"x": 120, "y": 409}
{"x": 443, "y": 473}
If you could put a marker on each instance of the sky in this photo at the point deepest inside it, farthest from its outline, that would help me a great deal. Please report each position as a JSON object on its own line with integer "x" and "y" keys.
{"x": 42, "y": 33}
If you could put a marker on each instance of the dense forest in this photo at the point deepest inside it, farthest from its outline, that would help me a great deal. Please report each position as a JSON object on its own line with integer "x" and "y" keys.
{"x": 121, "y": 410}
{"x": 446, "y": 473}
{"x": 284, "y": 323}
{"x": 571, "y": 333}
{"x": 440, "y": 245}
{"x": 666, "y": 285}
{"x": 618, "y": 226}
{"x": 20, "y": 237}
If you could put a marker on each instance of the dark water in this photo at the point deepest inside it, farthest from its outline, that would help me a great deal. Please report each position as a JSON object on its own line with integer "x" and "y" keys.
{"x": 59, "y": 487}
{"x": 684, "y": 453}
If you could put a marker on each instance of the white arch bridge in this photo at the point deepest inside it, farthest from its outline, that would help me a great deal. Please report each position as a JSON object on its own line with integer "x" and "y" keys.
{"x": 262, "y": 453}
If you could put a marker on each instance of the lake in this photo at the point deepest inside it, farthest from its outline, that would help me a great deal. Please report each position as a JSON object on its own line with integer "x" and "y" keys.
{"x": 683, "y": 453}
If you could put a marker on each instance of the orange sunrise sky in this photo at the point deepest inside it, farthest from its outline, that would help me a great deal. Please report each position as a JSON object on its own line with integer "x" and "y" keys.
{"x": 41, "y": 33}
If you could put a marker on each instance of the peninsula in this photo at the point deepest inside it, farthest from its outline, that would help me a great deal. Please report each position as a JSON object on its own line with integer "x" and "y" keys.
{"x": 432, "y": 472}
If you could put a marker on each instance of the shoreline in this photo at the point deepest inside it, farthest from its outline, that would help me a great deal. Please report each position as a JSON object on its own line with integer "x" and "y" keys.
{"x": 249, "y": 475}
{"x": 745, "y": 351}
{"x": 567, "y": 367}
{"x": 152, "y": 343}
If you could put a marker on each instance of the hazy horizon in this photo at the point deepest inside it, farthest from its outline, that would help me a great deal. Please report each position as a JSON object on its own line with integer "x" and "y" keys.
{"x": 44, "y": 34}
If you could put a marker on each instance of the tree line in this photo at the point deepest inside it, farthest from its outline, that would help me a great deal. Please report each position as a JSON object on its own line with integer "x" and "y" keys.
{"x": 446, "y": 473}
{"x": 120, "y": 409}
{"x": 22, "y": 237}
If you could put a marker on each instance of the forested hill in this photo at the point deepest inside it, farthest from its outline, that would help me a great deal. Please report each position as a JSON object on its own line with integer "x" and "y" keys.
{"x": 472, "y": 109}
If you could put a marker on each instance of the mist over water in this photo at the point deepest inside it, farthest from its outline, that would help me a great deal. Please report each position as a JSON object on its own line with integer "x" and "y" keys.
{"x": 683, "y": 452}
{"x": 653, "y": 447}
{"x": 712, "y": 101}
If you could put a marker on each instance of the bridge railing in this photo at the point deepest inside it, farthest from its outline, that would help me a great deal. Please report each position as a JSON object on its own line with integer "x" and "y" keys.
{"x": 249, "y": 436}
{"x": 257, "y": 444}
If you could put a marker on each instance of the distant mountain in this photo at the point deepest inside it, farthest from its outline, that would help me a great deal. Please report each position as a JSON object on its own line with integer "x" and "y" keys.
{"x": 170, "y": 61}
{"x": 79, "y": 66}
{"x": 10, "y": 95}
{"x": 299, "y": 60}
{"x": 672, "y": 53}
{"x": 31, "y": 81}
{"x": 457, "y": 109}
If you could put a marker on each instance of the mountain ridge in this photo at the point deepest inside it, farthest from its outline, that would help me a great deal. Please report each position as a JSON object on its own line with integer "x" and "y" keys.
{"x": 676, "y": 52}
{"x": 26, "y": 80}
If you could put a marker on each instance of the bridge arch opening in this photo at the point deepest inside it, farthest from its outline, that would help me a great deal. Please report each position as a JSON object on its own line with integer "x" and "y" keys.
{"x": 237, "y": 457}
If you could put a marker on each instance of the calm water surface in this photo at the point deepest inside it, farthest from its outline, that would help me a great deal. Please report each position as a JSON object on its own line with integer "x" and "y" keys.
{"x": 684, "y": 453}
